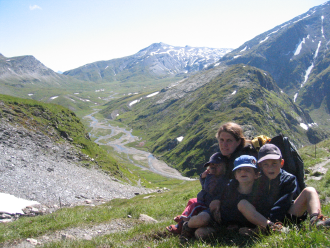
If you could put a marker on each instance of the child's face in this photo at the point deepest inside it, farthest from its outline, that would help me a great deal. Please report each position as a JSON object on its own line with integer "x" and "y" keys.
{"x": 217, "y": 169}
{"x": 245, "y": 174}
{"x": 271, "y": 167}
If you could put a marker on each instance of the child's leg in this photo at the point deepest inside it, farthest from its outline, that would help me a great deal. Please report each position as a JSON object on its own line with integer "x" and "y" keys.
{"x": 251, "y": 214}
{"x": 200, "y": 220}
{"x": 307, "y": 200}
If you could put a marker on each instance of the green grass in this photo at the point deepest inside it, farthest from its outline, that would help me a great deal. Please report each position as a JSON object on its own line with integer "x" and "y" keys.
{"x": 162, "y": 207}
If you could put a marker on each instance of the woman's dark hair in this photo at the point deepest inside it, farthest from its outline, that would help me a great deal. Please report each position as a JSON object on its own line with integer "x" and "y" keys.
{"x": 235, "y": 130}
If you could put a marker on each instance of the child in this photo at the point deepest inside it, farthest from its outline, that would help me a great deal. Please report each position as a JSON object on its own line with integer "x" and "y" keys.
{"x": 278, "y": 190}
{"x": 213, "y": 182}
{"x": 225, "y": 211}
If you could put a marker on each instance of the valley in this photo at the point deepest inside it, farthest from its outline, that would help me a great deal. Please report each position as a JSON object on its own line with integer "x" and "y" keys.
{"x": 119, "y": 138}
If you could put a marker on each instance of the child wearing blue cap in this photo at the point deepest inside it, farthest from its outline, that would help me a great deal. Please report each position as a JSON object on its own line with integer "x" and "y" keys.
{"x": 279, "y": 200}
{"x": 224, "y": 210}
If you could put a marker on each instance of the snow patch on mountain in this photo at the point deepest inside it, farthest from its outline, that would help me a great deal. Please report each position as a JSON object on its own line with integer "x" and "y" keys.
{"x": 264, "y": 40}
{"x": 134, "y": 102}
{"x": 14, "y": 205}
{"x": 304, "y": 126}
{"x": 308, "y": 71}
{"x": 298, "y": 49}
{"x": 153, "y": 94}
{"x": 322, "y": 31}
{"x": 317, "y": 50}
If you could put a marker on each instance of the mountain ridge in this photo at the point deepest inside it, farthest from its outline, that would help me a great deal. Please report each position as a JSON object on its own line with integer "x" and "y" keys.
{"x": 296, "y": 54}
{"x": 156, "y": 61}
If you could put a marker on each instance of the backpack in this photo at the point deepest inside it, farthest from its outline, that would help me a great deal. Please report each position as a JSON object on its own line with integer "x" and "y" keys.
{"x": 293, "y": 163}
{"x": 259, "y": 141}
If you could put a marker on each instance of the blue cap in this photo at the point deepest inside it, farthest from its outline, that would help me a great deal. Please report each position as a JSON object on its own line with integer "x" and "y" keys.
{"x": 245, "y": 161}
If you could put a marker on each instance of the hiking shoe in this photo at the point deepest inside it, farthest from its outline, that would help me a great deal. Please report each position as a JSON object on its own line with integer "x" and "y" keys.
{"x": 275, "y": 227}
{"x": 320, "y": 221}
{"x": 187, "y": 232}
{"x": 175, "y": 229}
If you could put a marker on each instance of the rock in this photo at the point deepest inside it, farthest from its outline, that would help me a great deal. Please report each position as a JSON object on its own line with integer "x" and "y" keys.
{"x": 88, "y": 237}
{"x": 67, "y": 236}
{"x": 146, "y": 218}
{"x": 149, "y": 196}
{"x": 5, "y": 216}
{"x": 33, "y": 241}
{"x": 5, "y": 220}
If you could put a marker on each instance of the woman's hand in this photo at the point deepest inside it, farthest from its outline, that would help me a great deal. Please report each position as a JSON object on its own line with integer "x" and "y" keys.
{"x": 205, "y": 173}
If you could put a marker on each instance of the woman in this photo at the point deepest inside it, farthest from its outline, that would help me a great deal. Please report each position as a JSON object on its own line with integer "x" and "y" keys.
{"x": 232, "y": 144}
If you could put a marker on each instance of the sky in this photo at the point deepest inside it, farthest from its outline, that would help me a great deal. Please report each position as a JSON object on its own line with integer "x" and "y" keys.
{"x": 66, "y": 34}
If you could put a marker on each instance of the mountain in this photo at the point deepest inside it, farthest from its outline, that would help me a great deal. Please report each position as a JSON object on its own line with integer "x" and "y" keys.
{"x": 296, "y": 54}
{"x": 179, "y": 122}
{"x": 157, "y": 61}
{"x": 27, "y": 70}
{"x": 26, "y": 77}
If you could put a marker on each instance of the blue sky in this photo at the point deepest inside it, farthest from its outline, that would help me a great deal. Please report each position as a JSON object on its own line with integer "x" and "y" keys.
{"x": 64, "y": 35}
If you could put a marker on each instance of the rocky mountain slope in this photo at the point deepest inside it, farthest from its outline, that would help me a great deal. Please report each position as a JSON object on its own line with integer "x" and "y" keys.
{"x": 47, "y": 156}
{"x": 180, "y": 121}
{"x": 157, "y": 61}
{"x": 296, "y": 54}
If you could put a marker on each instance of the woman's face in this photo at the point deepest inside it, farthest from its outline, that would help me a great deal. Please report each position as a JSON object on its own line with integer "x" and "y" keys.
{"x": 228, "y": 143}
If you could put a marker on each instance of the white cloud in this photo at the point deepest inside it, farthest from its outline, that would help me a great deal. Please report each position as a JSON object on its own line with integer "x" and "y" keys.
{"x": 35, "y": 7}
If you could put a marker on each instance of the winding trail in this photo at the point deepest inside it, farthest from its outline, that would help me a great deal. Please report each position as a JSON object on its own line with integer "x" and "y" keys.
{"x": 155, "y": 165}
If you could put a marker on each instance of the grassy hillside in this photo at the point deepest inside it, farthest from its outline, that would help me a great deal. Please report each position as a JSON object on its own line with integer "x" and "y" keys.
{"x": 60, "y": 124}
{"x": 163, "y": 207}
{"x": 242, "y": 94}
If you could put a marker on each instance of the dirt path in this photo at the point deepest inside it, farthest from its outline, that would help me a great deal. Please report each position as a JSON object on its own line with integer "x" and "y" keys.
{"x": 319, "y": 170}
